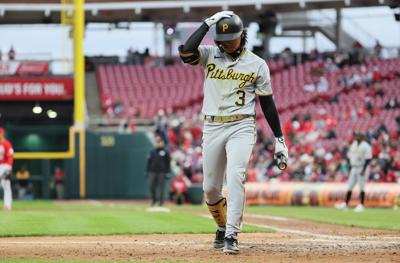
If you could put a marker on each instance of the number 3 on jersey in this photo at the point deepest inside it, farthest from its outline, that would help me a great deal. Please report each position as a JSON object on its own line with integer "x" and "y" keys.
{"x": 240, "y": 101}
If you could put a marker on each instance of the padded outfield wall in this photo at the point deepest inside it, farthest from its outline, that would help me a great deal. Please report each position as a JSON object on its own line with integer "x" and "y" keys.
{"x": 115, "y": 166}
{"x": 320, "y": 194}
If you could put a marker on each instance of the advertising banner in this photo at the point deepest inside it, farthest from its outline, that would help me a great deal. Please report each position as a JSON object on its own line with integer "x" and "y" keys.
{"x": 27, "y": 68}
{"x": 320, "y": 194}
{"x": 44, "y": 88}
{"x": 33, "y": 68}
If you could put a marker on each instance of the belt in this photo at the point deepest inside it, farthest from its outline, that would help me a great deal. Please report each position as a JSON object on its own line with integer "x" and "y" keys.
{"x": 224, "y": 119}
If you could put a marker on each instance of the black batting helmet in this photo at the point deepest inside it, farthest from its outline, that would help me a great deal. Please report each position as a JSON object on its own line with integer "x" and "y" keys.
{"x": 228, "y": 28}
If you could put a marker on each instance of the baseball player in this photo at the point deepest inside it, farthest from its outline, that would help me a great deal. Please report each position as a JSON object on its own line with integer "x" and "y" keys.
{"x": 359, "y": 155}
{"x": 234, "y": 76}
{"x": 6, "y": 162}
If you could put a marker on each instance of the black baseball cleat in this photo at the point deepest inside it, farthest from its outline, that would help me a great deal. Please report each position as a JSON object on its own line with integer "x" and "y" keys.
{"x": 219, "y": 239}
{"x": 231, "y": 246}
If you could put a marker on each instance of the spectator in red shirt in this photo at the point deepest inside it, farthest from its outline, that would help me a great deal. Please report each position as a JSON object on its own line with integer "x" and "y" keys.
{"x": 179, "y": 187}
{"x": 6, "y": 162}
{"x": 390, "y": 177}
{"x": 59, "y": 182}
{"x": 376, "y": 75}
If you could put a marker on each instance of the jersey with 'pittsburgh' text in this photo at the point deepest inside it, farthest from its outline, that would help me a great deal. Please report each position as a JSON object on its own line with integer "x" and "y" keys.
{"x": 230, "y": 87}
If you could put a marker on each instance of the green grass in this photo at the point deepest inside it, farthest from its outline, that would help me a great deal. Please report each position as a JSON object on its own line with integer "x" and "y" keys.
{"x": 41, "y": 218}
{"x": 72, "y": 261}
{"x": 91, "y": 261}
{"x": 47, "y": 218}
{"x": 379, "y": 218}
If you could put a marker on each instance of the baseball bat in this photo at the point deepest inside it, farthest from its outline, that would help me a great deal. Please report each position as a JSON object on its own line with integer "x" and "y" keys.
{"x": 281, "y": 161}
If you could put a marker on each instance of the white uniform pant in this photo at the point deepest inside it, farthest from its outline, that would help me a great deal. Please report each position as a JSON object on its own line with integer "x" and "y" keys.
{"x": 6, "y": 185}
{"x": 355, "y": 176}
{"x": 227, "y": 150}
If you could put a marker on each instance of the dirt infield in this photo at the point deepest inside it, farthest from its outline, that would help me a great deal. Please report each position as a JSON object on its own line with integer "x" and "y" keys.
{"x": 294, "y": 241}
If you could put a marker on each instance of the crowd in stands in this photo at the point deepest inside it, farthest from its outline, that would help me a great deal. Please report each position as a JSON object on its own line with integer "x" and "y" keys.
{"x": 310, "y": 160}
{"x": 313, "y": 161}
{"x": 340, "y": 59}
{"x": 317, "y": 153}
{"x": 136, "y": 57}
{"x": 335, "y": 94}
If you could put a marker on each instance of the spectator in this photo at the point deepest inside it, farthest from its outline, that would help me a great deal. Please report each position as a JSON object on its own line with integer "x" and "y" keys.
{"x": 6, "y": 162}
{"x": 310, "y": 87}
{"x": 378, "y": 49}
{"x": 11, "y": 54}
{"x": 355, "y": 80}
{"x": 384, "y": 158}
{"x": 288, "y": 57}
{"x": 179, "y": 187}
{"x": 59, "y": 182}
{"x": 390, "y": 177}
{"x": 330, "y": 65}
{"x": 133, "y": 57}
{"x": 322, "y": 85}
{"x": 23, "y": 181}
{"x": 376, "y": 75}
{"x": 315, "y": 55}
{"x": 356, "y": 56}
{"x": 366, "y": 76}
{"x": 129, "y": 56}
{"x": 368, "y": 105}
{"x": 145, "y": 55}
{"x": 158, "y": 166}
{"x": 393, "y": 103}
{"x": 162, "y": 126}
{"x": 119, "y": 108}
{"x": 341, "y": 59}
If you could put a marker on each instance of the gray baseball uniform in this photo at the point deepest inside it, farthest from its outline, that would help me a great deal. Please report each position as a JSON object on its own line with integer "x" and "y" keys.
{"x": 233, "y": 78}
{"x": 230, "y": 88}
{"x": 358, "y": 154}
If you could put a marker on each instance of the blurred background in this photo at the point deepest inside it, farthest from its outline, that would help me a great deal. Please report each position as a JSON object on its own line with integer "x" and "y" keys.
{"x": 335, "y": 68}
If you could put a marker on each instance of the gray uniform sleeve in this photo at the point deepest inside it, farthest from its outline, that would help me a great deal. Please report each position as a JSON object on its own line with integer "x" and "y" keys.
{"x": 205, "y": 53}
{"x": 263, "y": 81}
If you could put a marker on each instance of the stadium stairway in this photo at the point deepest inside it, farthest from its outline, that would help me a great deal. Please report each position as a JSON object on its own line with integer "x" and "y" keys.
{"x": 92, "y": 96}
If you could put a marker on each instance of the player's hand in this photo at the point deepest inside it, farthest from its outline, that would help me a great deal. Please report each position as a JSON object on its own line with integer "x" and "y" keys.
{"x": 217, "y": 16}
{"x": 281, "y": 148}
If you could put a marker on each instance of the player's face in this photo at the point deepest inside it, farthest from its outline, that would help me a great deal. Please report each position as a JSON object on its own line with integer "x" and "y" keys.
{"x": 231, "y": 45}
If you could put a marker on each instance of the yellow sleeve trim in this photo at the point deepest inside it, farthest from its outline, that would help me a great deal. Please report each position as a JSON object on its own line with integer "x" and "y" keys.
{"x": 185, "y": 55}
{"x": 194, "y": 62}
{"x": 264, "y": 94}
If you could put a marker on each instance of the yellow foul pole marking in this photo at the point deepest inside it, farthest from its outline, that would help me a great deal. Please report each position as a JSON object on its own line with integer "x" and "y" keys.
{"x": 79, "y": 86}
{"x": 82, "y": 163}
